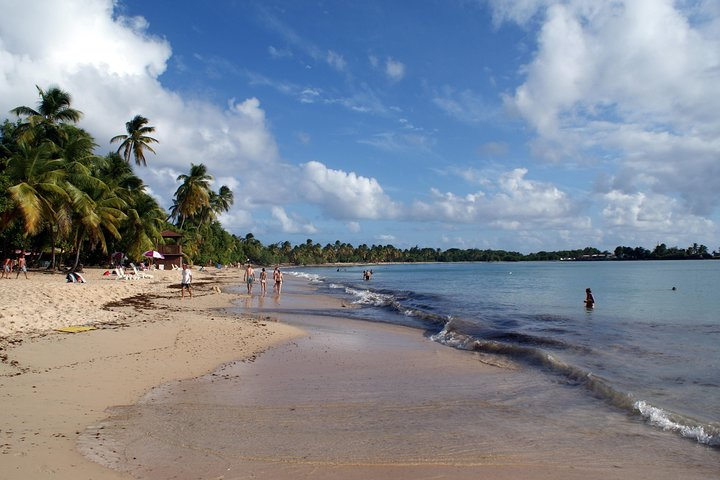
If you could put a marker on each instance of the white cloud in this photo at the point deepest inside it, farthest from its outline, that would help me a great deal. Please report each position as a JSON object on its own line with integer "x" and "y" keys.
{"x": 514, "y": 203}
{"x": 344, "y": 195}
{"x": 638, "y": 216}
{"x": 631, "y": 81}
{"x": 291, "y": 225}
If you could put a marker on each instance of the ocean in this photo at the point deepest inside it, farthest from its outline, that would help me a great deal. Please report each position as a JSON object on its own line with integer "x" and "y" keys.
{"x": 649, "y": 348}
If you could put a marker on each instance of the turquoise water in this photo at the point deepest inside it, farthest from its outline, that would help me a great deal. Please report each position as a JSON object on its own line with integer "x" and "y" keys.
{"x": 645, "y": 348}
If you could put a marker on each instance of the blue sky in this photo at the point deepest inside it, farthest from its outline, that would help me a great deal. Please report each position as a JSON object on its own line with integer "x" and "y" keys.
{"x": 528, "y": 125}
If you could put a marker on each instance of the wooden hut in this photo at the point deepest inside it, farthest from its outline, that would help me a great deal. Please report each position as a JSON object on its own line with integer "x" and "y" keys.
{"x": 172, "y": 250}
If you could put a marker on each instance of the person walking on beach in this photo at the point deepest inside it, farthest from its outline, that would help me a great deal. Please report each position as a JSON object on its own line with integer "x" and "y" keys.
{"x": 589, "y": 299}
{"x": 249, "y": 278}
{"x": 277, "y": 277}
{"x": 21, "y": 266}
{"x": 7, "y": 268}
{"x": 185, "y": 280}
{"x": 263, "y": 282}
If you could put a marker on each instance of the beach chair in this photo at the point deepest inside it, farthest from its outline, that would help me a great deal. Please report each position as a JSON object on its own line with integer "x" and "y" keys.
{"x": 138, "y": 273}
{"x": 122, "y": 275}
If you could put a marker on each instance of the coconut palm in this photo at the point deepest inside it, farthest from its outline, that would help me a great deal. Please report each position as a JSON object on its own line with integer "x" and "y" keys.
{"x": 136, "y": 140}
{"x": 96, "y": 212}
{"x": 219, "y": 202}
{"x": 53, "y": 110}
{"x": 193, "y": 194}
{"x": 142, "y": 229}
{"x": 37, "y": 178}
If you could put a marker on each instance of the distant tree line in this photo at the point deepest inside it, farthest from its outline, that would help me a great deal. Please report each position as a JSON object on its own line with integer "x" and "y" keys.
{"x": 67, "y": 205}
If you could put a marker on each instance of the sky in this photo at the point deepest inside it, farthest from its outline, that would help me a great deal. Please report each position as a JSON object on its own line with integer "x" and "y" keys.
{"x": 521, "y": 125}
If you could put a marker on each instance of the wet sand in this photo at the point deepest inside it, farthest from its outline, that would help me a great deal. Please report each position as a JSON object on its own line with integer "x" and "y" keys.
{"x": 357, "y": 400}
{"x": 53, "y": 385}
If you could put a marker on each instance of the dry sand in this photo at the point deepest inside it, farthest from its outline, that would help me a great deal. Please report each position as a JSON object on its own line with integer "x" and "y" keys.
{"x": 53, "y": 385}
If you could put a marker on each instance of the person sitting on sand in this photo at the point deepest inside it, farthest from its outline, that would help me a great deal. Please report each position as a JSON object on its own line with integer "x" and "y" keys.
{"x": 185, "y": 280}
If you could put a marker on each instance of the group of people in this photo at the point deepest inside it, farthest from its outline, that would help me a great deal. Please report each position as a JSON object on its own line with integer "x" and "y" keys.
{"x": 19, "y": 265}
{"x": 249, "y": 279}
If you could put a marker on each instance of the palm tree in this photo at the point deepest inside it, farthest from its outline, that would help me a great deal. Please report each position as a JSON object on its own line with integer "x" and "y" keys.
{"x": 37, "y": 183}
{"x": 53, "y": 110}
{"x": 145, "y": 219}
{"x": 222, "y": 201}
{"x": 96, "y": 211}
{"x": 136, "y": 140}
{"x": 193, "y": 193}
{"x": 219, "y": 202}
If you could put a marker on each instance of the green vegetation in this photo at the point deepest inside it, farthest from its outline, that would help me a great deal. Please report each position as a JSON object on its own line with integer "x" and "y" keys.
{"x": 57, "y": 197}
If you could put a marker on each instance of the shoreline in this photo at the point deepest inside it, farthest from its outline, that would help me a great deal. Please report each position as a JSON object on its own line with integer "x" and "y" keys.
{"x": 54, "y": 385}
{"x": 385, "y": 394}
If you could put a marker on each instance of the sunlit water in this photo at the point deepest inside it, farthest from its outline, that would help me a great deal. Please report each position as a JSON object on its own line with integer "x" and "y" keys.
{"x": 647, "y": 348}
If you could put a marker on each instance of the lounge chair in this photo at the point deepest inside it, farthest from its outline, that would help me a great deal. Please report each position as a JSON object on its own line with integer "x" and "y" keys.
{"x": 139, "y": 274}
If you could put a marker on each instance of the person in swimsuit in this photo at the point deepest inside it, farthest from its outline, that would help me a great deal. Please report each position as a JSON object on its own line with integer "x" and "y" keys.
{"x": 249, "y": 278}
{"x": 589, "y": 299}
{"x": 7, "y": 268}
{"x": 263, "y": 282}
{"x": 21, "y": 267}
{"x": 277, "y": 277}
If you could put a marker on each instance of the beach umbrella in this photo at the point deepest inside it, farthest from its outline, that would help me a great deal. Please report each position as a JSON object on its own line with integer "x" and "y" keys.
{"x": 153, "y": 254}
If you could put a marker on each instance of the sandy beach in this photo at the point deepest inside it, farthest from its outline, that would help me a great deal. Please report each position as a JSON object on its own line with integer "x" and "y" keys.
{"x": 169, "y": 388}
{"x": 53, "y": 384}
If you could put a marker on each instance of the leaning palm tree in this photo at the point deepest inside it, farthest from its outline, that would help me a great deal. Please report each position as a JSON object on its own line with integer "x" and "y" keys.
{"x": 136, "y": 140}
{"x": 193, "y": 194}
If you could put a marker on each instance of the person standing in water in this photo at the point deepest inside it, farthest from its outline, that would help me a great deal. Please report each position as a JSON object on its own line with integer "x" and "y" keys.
{"x": 277, "y": 278}
{"x": 589, "y": 299}
{"x": 263, "y": 282}
{"x": 249, "y": 278}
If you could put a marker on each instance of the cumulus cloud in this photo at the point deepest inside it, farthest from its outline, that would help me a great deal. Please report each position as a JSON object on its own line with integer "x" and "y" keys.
{"x": 291, "y": 225}
{"x": 345, "y": 195}
{"x": 632, "y": 81}
{"x": 636, "y": 216}
{"x": 513, "y": 202}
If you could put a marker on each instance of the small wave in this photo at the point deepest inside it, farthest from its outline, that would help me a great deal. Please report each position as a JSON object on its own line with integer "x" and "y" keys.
{"x": 311, "y": 277}
{"x": 599, "y": 387}
{"x": 658, "y": 417}
{"x": 368, "y": 297}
